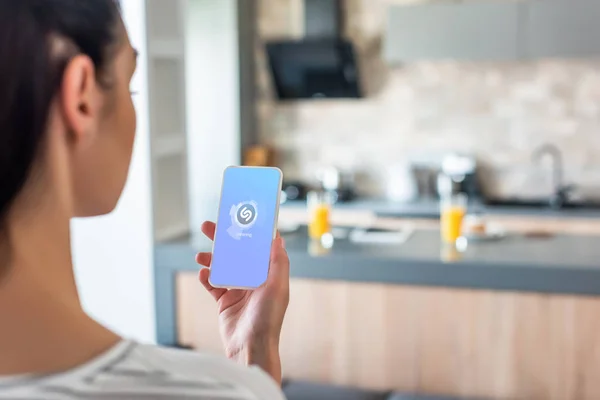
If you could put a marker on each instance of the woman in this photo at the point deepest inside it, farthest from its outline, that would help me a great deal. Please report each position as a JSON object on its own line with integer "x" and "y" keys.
{"x": 67, "y": 127}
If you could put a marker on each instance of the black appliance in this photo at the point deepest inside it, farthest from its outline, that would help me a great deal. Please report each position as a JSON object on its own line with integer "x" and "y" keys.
{"x": 459, "y": 175}
{"x": 323, "y": 65}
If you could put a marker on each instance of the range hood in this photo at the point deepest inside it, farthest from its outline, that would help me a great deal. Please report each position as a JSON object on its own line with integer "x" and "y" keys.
{"x": 323, "y": 64}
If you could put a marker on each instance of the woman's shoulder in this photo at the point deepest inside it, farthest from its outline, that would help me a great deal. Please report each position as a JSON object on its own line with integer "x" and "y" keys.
{"x": 134, "y": 370}
{"x": 195, "y": 373}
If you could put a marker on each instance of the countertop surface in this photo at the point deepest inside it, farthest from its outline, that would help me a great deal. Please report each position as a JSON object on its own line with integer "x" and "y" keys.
{"x": 429, "y": 208}
{"x": 561, "y": 264}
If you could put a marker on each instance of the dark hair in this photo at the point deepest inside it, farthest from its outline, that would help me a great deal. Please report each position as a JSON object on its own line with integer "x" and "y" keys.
{"x": 31, "y": 72}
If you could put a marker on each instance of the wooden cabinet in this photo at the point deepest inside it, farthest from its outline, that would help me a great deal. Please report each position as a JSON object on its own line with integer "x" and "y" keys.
{"x": 459, "y": 342}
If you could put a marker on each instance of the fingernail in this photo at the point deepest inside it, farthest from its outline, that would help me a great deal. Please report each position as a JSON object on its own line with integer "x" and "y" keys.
{"x": 283, "y": 243}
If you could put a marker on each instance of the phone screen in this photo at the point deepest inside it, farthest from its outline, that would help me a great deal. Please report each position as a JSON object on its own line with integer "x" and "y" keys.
{"x": 246, "y": 225}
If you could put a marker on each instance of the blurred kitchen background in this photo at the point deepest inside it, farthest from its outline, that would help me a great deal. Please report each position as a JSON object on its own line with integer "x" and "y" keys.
{"x": 388, "y": 106}
{"x": 493, "y": 103}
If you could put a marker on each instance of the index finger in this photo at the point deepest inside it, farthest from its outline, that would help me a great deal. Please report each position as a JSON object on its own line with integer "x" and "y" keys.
{"x": 208, "y": 228}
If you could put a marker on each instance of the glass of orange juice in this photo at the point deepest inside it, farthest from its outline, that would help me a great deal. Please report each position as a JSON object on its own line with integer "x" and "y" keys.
{"x": 452, "y": 212}
{"x": 319, "y": 214}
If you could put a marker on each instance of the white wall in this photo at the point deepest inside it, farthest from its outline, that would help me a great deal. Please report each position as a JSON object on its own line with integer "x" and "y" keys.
{"x": 213, "y": 98}
{"x": 113, "y": 255}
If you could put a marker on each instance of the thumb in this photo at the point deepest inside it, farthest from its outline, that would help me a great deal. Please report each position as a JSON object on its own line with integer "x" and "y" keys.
{"x": 279, "y": 271}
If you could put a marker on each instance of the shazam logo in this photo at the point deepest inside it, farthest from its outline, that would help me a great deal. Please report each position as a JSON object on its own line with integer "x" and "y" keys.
{"x": 243, "y": 216}
{"x": 246, "y": 214}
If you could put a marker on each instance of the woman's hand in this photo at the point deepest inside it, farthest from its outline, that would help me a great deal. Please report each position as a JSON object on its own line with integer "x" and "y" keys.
{"x": 250, "y": 320}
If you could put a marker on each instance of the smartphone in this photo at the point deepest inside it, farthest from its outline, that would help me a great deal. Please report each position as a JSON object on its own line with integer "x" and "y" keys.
{"x": 246, "y": 227}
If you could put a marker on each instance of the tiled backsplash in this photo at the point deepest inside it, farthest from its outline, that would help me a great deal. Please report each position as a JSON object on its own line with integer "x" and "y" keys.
{"x": 500, "y": 112}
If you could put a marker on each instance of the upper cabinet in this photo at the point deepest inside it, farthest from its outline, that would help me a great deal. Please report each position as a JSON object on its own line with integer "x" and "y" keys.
{"x": 466, "y": 31}
{"x": 562, "y": 28}
{"x": 493, "y": 30}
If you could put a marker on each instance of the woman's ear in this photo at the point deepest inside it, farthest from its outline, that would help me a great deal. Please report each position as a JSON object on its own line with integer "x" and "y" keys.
{"x": 80, "y": 100}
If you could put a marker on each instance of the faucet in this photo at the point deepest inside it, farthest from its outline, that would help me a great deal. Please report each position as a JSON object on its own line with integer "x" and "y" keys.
{"x": 560, "y": 191}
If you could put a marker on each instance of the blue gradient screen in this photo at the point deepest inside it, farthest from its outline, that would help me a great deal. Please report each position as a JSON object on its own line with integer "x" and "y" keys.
{"x": 245, "y": 227}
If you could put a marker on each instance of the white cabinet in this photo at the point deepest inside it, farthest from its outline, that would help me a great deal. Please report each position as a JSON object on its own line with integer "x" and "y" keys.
{"x": 165, "y": 21}
{"x": 496, "y": 30}
{"x": 463, "y": 31}
{"x": 214, "y": 105}
{"x": 555, "y": 28}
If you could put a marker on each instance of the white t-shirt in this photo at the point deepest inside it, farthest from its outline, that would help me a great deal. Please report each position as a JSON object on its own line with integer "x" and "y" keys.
{"x": 134, "y": 371}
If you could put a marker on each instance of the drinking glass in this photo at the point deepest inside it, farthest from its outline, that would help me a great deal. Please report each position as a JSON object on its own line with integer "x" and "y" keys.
{"x": 319, "y": 214}
{"x": 452, "y": 212}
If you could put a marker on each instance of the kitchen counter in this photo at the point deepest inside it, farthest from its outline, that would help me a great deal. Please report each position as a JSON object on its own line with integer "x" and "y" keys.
{"x": 429, "y": 208}
{"x": 561, "y": 264}
{"x": 514, "y": 319}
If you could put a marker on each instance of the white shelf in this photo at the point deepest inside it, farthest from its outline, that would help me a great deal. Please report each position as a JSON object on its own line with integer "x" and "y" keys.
{"x": 166, "y": 87}
{"x": 170, "y": 232}
{"x": 168, "y": 145}
{"x": 167, "y": 105}
{"x": 166, "y": 48}
{"x": 165, "y": 18}
{"x": 170, "y": 192}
